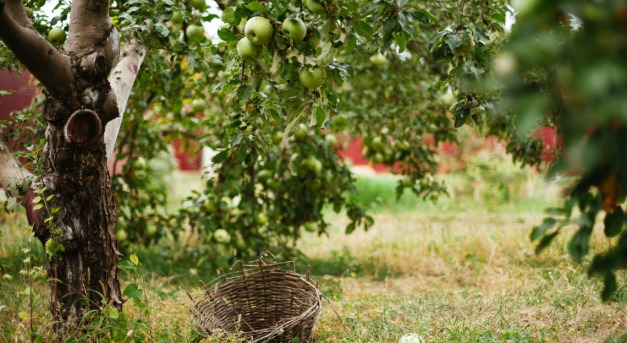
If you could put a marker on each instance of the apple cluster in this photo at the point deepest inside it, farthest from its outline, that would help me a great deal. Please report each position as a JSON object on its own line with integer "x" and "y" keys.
{"x": 258, "y": 32}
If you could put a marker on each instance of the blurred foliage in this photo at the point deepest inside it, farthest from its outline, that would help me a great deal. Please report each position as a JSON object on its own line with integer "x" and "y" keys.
{"x": 563, "y": 66}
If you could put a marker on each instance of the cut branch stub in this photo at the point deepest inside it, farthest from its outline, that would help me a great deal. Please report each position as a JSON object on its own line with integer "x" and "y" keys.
{"x": 82, "y": 128}
{"x": 95, "y": 64}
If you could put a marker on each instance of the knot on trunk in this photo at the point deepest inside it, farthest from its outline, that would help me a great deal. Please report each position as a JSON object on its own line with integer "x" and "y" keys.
{"x": 95, "y": 65}
{"x": 82, "y": 128}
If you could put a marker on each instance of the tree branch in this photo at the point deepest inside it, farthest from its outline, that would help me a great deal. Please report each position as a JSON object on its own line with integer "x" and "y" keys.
{"x": 16, "y": 9}
{"x": 89, "y": 26}
{"x": 121, "y": 79}
{"x": 47, "y": 64}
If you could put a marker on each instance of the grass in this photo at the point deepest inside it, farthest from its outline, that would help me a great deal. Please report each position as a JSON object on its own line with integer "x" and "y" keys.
{"x": 462, "y": 270}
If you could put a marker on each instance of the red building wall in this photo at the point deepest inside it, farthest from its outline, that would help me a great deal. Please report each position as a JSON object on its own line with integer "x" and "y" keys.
{"x": 24, "y": 92}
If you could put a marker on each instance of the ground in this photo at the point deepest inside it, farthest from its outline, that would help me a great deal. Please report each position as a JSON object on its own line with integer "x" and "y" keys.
{"x": 457, "y": 271}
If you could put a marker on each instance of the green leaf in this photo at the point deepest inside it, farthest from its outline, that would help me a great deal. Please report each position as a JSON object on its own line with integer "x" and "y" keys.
{"x": 221, "y": 156}
{"x": 244, "y": 92}
{"x": 351, "y": 44}
{"x": 613, "y": 222}
{"x": 257, "y": 7}
{"x": 113, "y": 313}
{"x": 539, "y": 231}
{"x": 241, "y": 154}
{"x": 609, "y": 286}
{"x": 274, "y": 115}
{"x": 401, "y": 41}
{"x": 134, "y": 259}
{"x": 228, "y": 16}
{"x": 350, "y": 228}
{"x": 162, "y": 29}
{"x": 227, "y": 35}
{"x": 132, "y": 291}
{"x": 453, "y": 41}
{"x": 424, "y": 16}
{"x": 363, "y": 29}
{"x": 579, "y": 244}
{"x": 320, "y": 116}
{"x": 546, "y": 241}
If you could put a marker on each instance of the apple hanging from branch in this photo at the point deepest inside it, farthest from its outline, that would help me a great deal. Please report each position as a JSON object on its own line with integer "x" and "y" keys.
{"x": 258, "y": 30}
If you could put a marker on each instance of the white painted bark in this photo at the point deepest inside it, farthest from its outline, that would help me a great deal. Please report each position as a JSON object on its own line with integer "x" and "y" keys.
{"x": 121, "y": 79}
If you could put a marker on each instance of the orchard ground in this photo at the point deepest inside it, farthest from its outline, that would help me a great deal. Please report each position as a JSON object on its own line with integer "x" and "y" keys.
{"x": 461, "y": 270}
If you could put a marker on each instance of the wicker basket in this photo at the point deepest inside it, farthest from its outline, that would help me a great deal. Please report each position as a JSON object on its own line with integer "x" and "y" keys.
{"x": 263, "y": 302}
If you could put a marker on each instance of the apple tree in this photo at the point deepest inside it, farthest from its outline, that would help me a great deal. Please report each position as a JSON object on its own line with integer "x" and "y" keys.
{"x": 286, "y": 84}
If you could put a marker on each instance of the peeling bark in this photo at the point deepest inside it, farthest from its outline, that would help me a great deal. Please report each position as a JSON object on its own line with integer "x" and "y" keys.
{"x": 121, "y": 80}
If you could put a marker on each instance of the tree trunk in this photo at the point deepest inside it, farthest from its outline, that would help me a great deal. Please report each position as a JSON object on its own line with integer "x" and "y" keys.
{"x": 84, "y": 275}
{"x": 75, "y": 216}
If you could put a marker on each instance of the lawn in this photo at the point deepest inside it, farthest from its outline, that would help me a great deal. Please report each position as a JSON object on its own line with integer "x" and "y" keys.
{"x": 461, "y": 270}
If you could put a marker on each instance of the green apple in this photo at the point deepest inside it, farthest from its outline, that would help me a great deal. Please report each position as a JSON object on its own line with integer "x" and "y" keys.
{"x": 408, "y": 182}
{"x": 139, "y": 164}
{"x": 315, "y": 42}
{"x": 263, "y": 175}
{"x": 210, "y": 206}
{"x": 277, "y": 137}
{"x": 151, "y": 231}
{"x": 339, "y": 122}
{"x": 198, "y": 105}
{"x": 258, "y": 30}
{"x": 302, "y": 131}
{"x": 378, "y": 59}
{"x": 177, "y": 18}
{"x": 295, "y": 28}
{"x": 240, "y": 244}
{"x": 261, "y": 218}
{"x": 401, "y": 146}
{"x": 56, "y": 35}
{"x": 377, "y": 143}
{"x": 313, "y": 164}
{"x": 314, "y": 6}
{"x": 248, "y": 51}
{"x": 195, "y": 32}
{"x": 377, "y": 158}
{"x": 310, "y": 226}
{"x": 198, "y": 4}
{"x": 312, "y": 77}
{"x": 122, "y": 235}
{"x": 331, "y": 139}
{"x": 221, "y": 236}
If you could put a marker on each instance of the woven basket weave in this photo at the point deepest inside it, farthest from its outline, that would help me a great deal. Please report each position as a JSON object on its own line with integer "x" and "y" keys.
{"x": 263, "y": 302}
